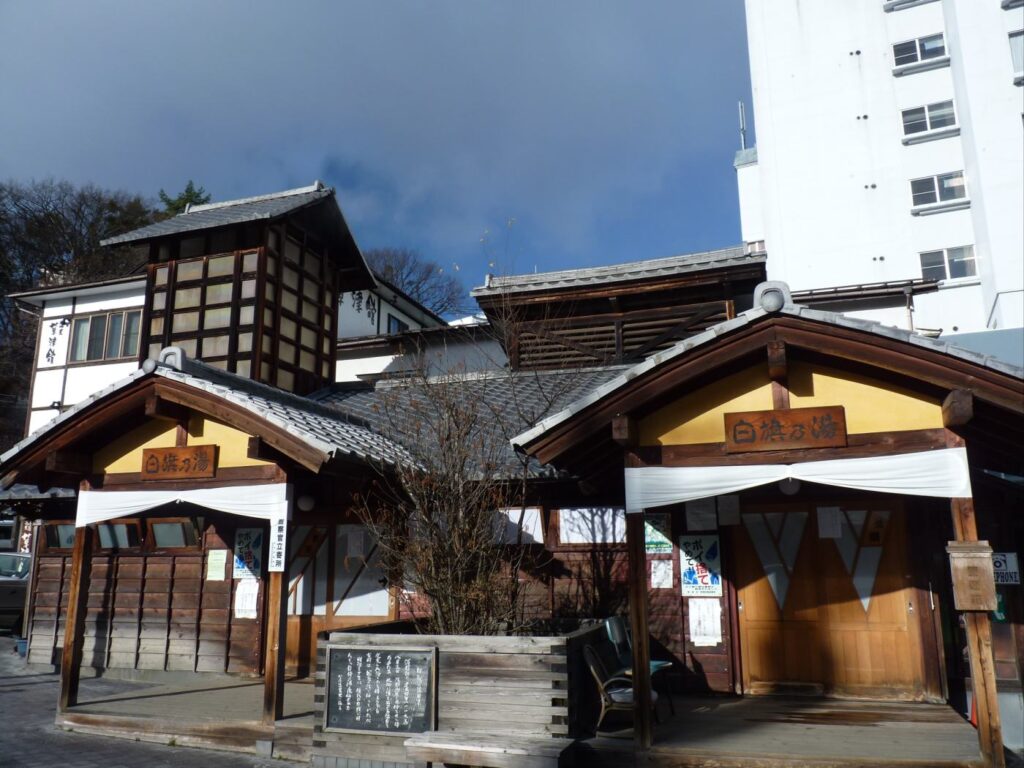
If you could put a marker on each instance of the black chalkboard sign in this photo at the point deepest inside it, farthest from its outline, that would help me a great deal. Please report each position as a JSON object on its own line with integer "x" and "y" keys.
{"x": 380, "y": 690}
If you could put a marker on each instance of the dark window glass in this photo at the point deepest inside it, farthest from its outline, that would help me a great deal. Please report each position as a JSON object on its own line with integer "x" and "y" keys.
{"x": 97, "y": 335}
{"x": 941, "y": 115}
{"x": 395, "y": 325}
{"x": 923, "y": 191}
{"x": 914, "y": 120}
{"x": 114, "y": 336}
{"x": 951, "y": 186}
{"x": 905, "y": 53}
{"x": 131, "y": 333}
{"x": 933, "y": 265}
{"x": 961, "y": 261}
{"x": 932, "y": 47}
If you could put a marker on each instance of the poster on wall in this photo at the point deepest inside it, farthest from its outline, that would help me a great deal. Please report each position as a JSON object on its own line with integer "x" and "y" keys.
{"x": 657, "y": 530}
{"x": 705, "y": 615}
{"x": 700, "y": 561}
{"x": 661, "y": 574}
{"x": 248, "y": 553}
{"x": 1005, "y": 568}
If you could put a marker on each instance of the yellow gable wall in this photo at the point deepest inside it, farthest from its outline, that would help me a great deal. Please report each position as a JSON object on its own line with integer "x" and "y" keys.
{"x": 124, "y": 454}
{"x": 871, "y": 405}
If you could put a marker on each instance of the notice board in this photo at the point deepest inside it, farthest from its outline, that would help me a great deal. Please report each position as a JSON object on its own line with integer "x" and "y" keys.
{"x": 381, "y": 689}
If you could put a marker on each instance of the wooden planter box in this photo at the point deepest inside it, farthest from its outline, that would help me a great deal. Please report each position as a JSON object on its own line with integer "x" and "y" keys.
{"x": 493, "y": 691}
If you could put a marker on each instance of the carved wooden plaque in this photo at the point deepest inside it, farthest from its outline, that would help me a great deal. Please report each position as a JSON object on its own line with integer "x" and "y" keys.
{"x": 190, "y": 462}
{"x": 786, "y": 429}
{"x": 974, "y": 583}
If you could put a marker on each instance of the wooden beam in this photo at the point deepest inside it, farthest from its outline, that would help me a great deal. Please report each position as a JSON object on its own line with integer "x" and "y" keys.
{"x": 624, "y": 430}
{"x": 74, "y": 625}
{"x": 979, "y": 652}
{"x": 643, "y": 735}
{"x": 273, "y": 668}
{"x": 158, "y": 408}
{"x": 957, "y": 408}
{"x": 69, "y": 463}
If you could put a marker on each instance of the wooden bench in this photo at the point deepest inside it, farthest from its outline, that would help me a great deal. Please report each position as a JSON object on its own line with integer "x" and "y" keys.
{"x": 488, "y": 751}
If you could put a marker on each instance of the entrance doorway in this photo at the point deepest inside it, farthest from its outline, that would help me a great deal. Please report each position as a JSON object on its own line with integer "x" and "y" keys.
{"x": 826, "y": 601}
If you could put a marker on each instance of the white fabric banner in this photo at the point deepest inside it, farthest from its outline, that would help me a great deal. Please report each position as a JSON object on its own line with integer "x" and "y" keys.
{"x": 266, "y": 502}
{"x": 942, "y": 473}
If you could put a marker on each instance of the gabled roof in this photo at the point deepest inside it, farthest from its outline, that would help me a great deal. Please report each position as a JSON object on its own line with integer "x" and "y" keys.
{"x": 37, "y": 296}
{"x": 619, "y": 273}
{"x": 512, "y": 399}
{"x": 327, "y": 432}
{"x": 763, "y": 308}
{"x": 212, "y": 215}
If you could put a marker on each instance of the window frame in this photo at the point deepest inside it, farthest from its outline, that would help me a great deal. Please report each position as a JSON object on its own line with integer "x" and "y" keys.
{"x": 107, "y": 316}
{"x": 937, "y": 190}
{"x": 1018, "y": 67}
{"x": 919, "y": 52}
{"x": 400, "y": 325}
{"x": 150, "y": 545}
{"x": 44, "y": 544}
{"x": 929, "y": 128}
{"x": 130, "y": 522}
{"x": 559, "y": 543}
{"x": 947, "y": 272}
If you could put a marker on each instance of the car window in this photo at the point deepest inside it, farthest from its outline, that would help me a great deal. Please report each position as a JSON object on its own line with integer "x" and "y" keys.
{"x": 13, "y": 565}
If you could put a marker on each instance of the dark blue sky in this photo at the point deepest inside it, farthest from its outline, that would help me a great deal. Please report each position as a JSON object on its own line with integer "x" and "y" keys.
{"x": 606, "y": 130}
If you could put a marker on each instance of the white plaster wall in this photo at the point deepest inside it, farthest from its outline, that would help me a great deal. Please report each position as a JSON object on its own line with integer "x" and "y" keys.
{"x": 57, "y": 307}
{"x": 84, "y": 380}
{"x": 55, "y": 337}
{"x": 353, "y": 323}
{"x": 38, "y": 418}
{"x": 351, "y": 370}
{"x": 748, "y": 178}
{"x": 134, "y": 297}
{"x": 47, "y": 388}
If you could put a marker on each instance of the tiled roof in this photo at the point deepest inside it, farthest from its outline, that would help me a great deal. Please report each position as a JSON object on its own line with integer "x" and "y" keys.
{"x": 746, "y": 318}
{"x": 228, "y": 212}
{"x": 615, "y": 273}
{"x": 325, "y": 430}
{"x": 511, "y": 401}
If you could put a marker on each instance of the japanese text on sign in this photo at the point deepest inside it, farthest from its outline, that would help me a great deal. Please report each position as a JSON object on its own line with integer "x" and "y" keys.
{"x": 278, "y": 543}
{"x": 785, "y": 429}
{"x": 380, "y": 689}
{"x": 193, "y": 461}
{"x": 700, "y": 563}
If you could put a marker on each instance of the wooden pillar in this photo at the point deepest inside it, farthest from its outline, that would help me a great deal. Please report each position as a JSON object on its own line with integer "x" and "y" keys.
{"x": 74, "y": 622}
{"x": 979, "y": 653}
{"x": 635, "y": 544}
{"x": 273, "y": 668}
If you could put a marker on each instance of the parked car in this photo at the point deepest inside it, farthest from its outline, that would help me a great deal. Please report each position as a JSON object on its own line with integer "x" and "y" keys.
{"x": 14, "y": 570}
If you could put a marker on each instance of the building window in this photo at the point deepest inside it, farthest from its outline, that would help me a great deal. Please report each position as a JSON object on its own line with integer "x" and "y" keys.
{"x": 1017, "y": 52}
{"x": 106, "y": 337}
{"x": 395, "y": 325}
{"x": 172, "y": 533}
{"x": 938, "y": 189}
{"x": 592, "y": 525}
{"x": 118, "y": 535}
{"x": 948, "y": 264}
{"x": 922, "y": 49}
{"x": 928, "y": 118}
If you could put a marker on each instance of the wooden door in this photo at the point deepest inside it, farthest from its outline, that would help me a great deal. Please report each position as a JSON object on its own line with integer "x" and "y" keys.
{"x": 827, "y": 609}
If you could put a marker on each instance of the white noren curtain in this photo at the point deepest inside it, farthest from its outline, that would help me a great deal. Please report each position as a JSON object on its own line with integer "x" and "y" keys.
{"x": 266, "y": 502}
{"x": 942, "y": 473}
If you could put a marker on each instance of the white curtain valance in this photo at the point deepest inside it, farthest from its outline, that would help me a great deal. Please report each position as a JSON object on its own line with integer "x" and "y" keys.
{"x": 266, "y": 502}
{"x": 942, "y": 473}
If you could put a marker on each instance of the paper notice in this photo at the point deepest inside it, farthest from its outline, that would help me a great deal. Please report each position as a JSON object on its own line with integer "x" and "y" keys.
{"x": 247, "y": 592}
{"x": 661, "y": 574}
{"x": 216, "y": 560}
{"x": 729, "y": 510}
{"x": 830, "y": 523}
{"x": 700, "y": 515}
{"x": 705, "y": 616}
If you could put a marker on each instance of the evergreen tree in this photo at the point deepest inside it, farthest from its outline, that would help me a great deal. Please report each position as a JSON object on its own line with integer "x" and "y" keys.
{"x": 189, "y": 196}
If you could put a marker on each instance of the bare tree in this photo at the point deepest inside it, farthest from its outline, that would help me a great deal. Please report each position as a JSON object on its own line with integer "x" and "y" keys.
{"x": 424, "y": 280}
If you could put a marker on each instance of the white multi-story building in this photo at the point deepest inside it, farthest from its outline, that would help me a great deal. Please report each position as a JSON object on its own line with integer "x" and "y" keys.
{"x": 890, "y": 152}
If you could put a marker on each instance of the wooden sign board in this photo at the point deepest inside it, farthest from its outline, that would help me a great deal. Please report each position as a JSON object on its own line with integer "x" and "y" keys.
{"x": 381, "y": 690}
{"x": 785, "y": 429}
{"x": 189, "y": 462}
{"x": 974, "y": 583}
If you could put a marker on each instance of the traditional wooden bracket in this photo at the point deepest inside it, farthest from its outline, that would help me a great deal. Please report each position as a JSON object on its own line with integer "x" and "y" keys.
{"x": 957, "y": 408}
{"x": 159, "y": 408}
{"x": 624, "y": 431}
{"x": 69, "y": 463}
{"x": 777, "y": 369}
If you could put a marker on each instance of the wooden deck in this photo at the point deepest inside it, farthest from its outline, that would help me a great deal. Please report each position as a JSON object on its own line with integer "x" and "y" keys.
{"x": 220, "y": 713}
{"x": 771, "y": 732}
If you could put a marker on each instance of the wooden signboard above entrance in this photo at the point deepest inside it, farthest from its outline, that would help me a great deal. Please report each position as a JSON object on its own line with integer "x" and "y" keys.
{"x": 785, "y": 429}
{"x": 186, "y": 463}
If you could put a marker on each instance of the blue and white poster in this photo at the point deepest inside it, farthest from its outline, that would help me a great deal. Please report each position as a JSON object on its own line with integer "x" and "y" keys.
{"x": 700, "y": 559}
{"x": 248, "y": 553}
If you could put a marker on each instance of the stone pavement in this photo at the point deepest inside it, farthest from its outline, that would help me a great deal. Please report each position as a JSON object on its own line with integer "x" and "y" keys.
{"x": 29, "y": 739}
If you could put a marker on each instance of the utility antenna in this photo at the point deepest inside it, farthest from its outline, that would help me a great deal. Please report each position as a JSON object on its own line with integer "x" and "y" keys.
{"x": 743, "y": 126}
